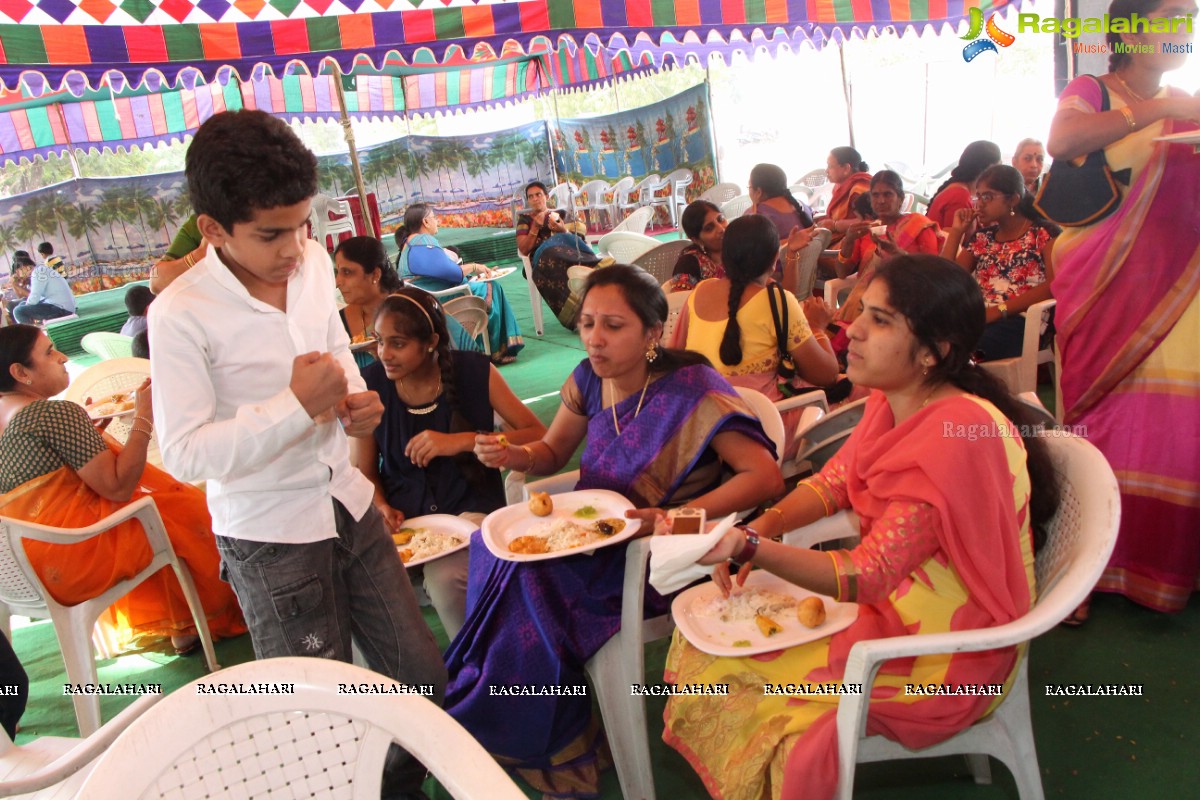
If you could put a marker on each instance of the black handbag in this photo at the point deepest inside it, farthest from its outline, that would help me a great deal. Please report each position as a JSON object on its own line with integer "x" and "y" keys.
{"x": 1074, "y": 195}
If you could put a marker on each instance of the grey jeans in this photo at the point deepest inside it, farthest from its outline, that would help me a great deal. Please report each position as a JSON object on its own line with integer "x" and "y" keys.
{"x": 310, "y": 599}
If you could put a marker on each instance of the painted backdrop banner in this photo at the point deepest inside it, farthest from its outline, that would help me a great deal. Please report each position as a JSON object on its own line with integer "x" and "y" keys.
{"x": 671, "y": 134}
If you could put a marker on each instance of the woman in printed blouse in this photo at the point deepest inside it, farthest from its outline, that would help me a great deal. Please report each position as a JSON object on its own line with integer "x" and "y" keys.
{"x": 1006, "y": 243}
{"x": 704, "y": 224}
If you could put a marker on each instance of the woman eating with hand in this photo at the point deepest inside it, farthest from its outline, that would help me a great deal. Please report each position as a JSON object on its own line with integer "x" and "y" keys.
{"x": 848, "y": 173}
{"x": 1006, "y": 245}
{"x": 421, "y": 457}
{"x": 949, "y": 527}
{"x": 427, "y": 265}
{"x": 57, "y": 469}
{"x": 659, "y": 426}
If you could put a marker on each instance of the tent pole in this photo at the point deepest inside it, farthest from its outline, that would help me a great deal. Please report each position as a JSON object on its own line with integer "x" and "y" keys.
{"x": 348, "y": 132}
{"x": 846, "y": 91}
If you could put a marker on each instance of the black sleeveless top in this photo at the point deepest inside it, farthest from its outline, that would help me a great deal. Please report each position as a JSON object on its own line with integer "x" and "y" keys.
{"x": 450, "y": 484}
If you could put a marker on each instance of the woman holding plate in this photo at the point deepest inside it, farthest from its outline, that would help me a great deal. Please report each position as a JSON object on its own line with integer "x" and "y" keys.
{"x": 658, "y": 426}
{"x": 949, "y": 526}
{"x": 57, "y": 469}
{"x": 420, "y": 457}
{"x": 364, "y": 277}
{"x": 426, "y": 265}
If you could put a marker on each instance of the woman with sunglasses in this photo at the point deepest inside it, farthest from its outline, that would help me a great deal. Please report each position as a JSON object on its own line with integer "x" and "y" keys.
{"x": 1006, "y": 244}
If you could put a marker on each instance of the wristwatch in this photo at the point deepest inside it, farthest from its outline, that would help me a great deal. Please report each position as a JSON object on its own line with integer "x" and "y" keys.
{"x": 746, "y": 554}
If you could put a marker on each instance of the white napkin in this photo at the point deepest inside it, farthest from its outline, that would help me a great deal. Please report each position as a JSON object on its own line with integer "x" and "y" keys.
{"x": 673, "y": 558}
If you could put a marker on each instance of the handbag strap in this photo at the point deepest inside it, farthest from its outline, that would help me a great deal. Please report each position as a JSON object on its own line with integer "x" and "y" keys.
{"x": 779, "y": 314}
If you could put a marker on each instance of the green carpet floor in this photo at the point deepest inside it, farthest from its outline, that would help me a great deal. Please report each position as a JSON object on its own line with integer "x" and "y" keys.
{"x": 1097, "y": 747}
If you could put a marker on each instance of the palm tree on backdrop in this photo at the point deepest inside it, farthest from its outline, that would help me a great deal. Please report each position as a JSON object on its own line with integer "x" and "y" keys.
{"x": 59, "y": 207}
{"x": 475, "y": 165}
{"x": 37, "y": 220}
{"x": 535, "y": 153}
{"x": 9, "y": 241}
{"x": 432, "y": 160}
{"x": 109, "y": 212}
{"x": 374, "y": 171}
{"x": 82, "y": 222}
{"x": 409, "y": 165}
{"x": 162, "y": 216}
{"x": 183, "y": 205}
{"x": 139, "y": 202}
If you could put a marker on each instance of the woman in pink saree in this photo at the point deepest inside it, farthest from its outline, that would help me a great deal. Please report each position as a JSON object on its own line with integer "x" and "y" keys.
{"x": 1128, "y": 317}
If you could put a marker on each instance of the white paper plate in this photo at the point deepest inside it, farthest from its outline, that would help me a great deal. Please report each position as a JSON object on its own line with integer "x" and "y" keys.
{"x": 127, "y": 412}
{"x": 119, "y": 414}
{"x": 1186, "y": 137}
{"x": 712, "y": 636}
{"x": 505, "y": 524}
{"x": 356, "y": 346}
{"x": 440, "y": 524}
{"x": 497, "y": 274}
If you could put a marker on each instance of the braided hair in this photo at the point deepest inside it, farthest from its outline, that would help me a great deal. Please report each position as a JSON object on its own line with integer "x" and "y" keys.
{"x": 945, "y": 309}
{"x": 772, "y": 182}
{"x": 750, "y": 250}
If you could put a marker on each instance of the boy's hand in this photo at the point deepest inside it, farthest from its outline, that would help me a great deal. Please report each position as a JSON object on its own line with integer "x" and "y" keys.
{"x": 318, "y": 382}
{"x": 360, "y": 413}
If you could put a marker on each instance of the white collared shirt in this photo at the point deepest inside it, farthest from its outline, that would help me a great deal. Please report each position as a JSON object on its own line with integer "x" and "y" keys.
{"x": 221, "y": 370}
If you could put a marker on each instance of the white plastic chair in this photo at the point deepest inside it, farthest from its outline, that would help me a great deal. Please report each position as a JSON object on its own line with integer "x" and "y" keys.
{"x": 22, "y": 592}
{"x": 107, "y": 345}
{"x": 471, "y": 313}
{"x": 621, "y": 662}
{"x": 821, "y": 437}
{"x": 592, "y": 196}
{"x": 1079, "y": 541}
{"x": 645, "y": 189}
{"x": 804, "y": 273}
{"x": 636, "y": 222}
{"x": 768, "y": 416}
{"x": 324, "y": 226}
{"x": 562, "y": 197}
{"x": 814, "y": 178}
{"x": 835, "y": 286}
{"x": 54, "y": 767}
{"x": 732, "y": 209}
{"x": 107, "y": 378}
{"x": 660, "y": 261}
{"x": 626, "y": 246}
{"x": 313, "y": 742}
{"x": 1020, "y": 373}
{"x": 678, "y": 181}
{"x": 721, "y": 193}
{"x": 676, "y": 302}
{"x": 620, "y": 196}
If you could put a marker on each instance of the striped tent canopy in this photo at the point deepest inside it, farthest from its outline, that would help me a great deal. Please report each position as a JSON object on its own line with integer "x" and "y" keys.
{"x": 54, "y": 38}
{"x": 118, "y": 115}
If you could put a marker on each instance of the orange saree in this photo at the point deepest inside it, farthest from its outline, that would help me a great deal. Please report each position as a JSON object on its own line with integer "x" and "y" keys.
{"x": 72, "y": 573}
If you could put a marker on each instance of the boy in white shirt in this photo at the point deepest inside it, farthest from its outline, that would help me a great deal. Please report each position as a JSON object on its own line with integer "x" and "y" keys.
{"x": 256, "y": 391}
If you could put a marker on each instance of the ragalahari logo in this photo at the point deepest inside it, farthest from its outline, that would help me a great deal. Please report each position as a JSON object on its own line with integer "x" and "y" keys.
{"x": 995, "y": 36}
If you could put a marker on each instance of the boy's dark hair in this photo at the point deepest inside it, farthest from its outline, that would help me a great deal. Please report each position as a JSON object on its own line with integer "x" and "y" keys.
{"x": 242, "y": 161}
{"x": 138, "y": 299}
{"x": 141, "y": 345}
{"x": 45, "y": 249}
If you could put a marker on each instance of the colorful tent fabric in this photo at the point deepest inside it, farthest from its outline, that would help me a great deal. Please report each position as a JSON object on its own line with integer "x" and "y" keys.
{"x": 54, "y": 37}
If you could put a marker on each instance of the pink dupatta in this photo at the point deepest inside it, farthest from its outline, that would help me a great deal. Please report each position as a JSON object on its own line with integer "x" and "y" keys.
{"x": 970, "y": 484}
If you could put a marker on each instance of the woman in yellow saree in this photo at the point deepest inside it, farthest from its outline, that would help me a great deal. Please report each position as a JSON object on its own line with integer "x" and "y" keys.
{"x": 56, "y": 469}
{"x": 949, "y": 499}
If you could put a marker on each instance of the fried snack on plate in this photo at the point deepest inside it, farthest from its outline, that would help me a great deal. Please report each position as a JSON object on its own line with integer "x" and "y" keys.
{"x": 541, "y": 504}
{"x": 529, "y": 545}
{"x": 403, "y": 536}
{"x": 406, "y": 555}
{"x": 811, "y": 612}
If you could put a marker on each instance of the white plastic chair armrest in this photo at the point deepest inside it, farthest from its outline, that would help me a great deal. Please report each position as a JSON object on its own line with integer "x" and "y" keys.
{"x": 807, "y": 400}
{"x": 555, "y": 484}
{"x": 82, "y": 754}
{"x": 42, "y": 533}
{"x": 842, "y": 525}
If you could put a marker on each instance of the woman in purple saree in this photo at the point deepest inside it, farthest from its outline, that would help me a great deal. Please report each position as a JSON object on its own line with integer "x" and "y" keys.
{"x": 1128, "y": 313}
{"x": 675, "y": 425}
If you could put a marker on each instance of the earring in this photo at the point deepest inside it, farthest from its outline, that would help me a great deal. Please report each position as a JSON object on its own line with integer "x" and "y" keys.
{"x": 28, "y": 382}
{"x": 431, "y": 350}
{"x": 1012, "y": 212}
{"x": 652, "y": 353}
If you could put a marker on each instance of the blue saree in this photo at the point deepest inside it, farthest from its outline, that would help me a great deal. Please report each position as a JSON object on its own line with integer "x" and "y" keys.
{"x": 424, "y": 264}
{"x": 537, "y": 623}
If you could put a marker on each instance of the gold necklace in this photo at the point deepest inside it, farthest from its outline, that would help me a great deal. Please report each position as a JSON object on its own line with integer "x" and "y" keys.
{"x": 613, "y": 391}
{"x": 426, "y": 409}
{"x": 1131, "y": 92}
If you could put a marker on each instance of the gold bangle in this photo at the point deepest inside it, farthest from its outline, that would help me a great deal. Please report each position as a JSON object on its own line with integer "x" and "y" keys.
{"x": 1127, "y": 112}
{"x": 189, "y": 260}
{"x": 820, "y": 495}
{"x": 146, "y": 431}
{"x": 837, "y": 574}
{"x": 820, "y": 336}
{"x": 782, "y": 518}
{"x": 529, "y": 457}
